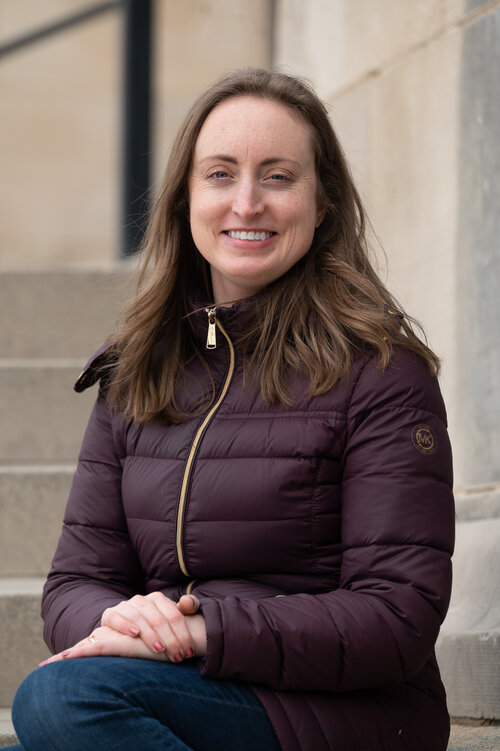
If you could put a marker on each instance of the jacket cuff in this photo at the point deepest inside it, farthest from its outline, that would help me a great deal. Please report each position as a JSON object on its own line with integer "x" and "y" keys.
{"x": 209, "y": 665}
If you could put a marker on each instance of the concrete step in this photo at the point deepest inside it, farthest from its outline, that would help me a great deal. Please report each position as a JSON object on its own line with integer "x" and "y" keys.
{"x": 42, "y": 418}
{"x": 462, "y": 737}
{"x": 7, "y": 733}
{"x": 468, "y": 647}
{"x": 21, "y": 642}
{"x": 474, "y": 738}
{"x": 32, "y": 502}
{"x": 60, "y": 314}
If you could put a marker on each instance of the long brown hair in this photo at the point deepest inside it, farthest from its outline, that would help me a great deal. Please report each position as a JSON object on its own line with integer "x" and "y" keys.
{"x": 311, "y": 319}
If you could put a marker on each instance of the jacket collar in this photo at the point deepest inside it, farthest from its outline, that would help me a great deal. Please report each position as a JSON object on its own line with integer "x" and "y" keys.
{"x": 232, "y": 318}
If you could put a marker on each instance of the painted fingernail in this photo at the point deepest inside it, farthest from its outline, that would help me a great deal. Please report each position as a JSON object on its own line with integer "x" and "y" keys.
{"x": 178, "y": 658}
{"x": 189, "y": 652}
{"x": 66, "y": 653}
{"x": 134, "y": 631}
{"x": 159, "y": 646}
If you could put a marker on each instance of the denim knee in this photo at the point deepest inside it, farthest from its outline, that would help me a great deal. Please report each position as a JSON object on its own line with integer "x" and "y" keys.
{"x": 40, "y": 711}
{"x": 35, "y": 699}
{"x": 27, "y": 711}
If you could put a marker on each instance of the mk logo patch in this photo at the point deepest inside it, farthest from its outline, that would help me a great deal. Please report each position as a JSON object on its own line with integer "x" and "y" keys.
{"x": 423, "y": 439}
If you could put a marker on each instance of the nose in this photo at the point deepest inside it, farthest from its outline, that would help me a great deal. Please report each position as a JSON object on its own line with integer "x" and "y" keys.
{"x": 248, "y": 199}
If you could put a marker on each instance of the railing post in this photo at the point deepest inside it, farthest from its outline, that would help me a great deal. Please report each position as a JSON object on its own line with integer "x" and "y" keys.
{"x": 137, "y": 122}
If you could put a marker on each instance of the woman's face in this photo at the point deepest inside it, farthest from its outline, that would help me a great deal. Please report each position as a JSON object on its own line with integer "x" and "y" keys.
{"x": 252, "y": 194}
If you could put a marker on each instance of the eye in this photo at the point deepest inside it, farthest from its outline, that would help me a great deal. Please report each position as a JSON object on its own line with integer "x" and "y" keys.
{"x": 279, "y": 177}
{"x": 218, "y": 174}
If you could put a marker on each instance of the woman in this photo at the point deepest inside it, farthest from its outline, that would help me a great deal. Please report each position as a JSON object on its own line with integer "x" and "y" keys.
{"x": 263, "y": 495}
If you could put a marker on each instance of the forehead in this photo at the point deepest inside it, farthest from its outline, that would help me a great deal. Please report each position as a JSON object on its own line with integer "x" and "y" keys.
{"x": 256, "y": 125}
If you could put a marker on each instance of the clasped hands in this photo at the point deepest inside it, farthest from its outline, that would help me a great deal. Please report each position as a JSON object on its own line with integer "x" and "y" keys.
{"x": 151, "y": 627}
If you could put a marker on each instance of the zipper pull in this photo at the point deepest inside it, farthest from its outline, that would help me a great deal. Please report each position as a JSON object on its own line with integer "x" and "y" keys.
{"x": 211, "y": 340}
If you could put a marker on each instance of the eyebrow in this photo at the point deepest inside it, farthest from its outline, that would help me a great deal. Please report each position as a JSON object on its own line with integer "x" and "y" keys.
{"x": 232, "y": 160}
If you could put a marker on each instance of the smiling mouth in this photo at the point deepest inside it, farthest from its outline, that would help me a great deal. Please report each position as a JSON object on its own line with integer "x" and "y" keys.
{"x": 250, "y": 235}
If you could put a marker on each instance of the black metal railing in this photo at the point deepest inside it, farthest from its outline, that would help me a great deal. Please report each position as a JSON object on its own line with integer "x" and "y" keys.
{"x": 136, "y": 119}
{"x": 136, "y": 122}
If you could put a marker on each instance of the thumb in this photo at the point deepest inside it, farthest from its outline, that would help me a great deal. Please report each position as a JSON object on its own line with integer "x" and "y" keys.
{"x": 188, "y": 604}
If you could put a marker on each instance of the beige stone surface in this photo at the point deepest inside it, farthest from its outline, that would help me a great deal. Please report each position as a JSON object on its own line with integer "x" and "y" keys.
{"x": 469, "y": 642}
{"x": 461, "y": 11}
{"x": 59, "y": 142}
{"x": 7, "y": 734}
{"x": 400, "y": 134}
{"x": 64, "y": 314}
{"x": 17, "y": 17}
{"x": 453, "y": 11}
{"x": 339, "y": 42}
{"x": 43, "y": 419}
{"x": 477, "y": 502}
{"x": 475, "y": 602}
{"x": 469, "y": 669}
{"x": 474, "y": 738}
{"x": 32, "y": 503}
{"x": 352, "y": 115}
{"x": 21, "y": 641}
{"x": 413, "y": 176}
{"x": 197, "y": 41}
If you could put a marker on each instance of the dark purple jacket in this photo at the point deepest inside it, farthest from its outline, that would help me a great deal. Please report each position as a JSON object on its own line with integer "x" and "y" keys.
{"x": 318, "y": 538}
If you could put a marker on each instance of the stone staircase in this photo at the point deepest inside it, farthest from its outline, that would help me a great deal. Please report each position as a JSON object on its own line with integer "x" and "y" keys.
{"x": 51, "y": 323}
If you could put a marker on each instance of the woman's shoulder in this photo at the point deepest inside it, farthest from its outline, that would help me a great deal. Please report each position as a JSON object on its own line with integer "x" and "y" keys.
{"x": 406, "y": 381}
{"x": 94, "y": 369}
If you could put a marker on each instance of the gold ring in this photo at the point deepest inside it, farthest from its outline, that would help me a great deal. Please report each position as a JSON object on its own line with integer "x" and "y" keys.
{"x": 92, "y": 639}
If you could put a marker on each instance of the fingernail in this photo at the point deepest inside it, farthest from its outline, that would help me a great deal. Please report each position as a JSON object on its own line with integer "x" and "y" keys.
{"x": 178, "y": 658}
{"x": 189, "y": 652}
{"x": 159, "y": 646}
{"x": 42, "y": 663}
{"x": 65, "y": 654}
{"x": 134, "y": 631}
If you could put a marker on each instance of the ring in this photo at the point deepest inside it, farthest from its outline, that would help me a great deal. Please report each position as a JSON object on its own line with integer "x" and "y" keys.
{"x": 92, "y": 639}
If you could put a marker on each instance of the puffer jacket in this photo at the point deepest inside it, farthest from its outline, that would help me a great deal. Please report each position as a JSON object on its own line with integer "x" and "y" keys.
{"x": 318, "y": 538}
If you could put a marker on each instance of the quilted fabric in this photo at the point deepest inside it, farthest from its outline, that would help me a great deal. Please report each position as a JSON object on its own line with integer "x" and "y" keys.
{"x": 318, "y": 537}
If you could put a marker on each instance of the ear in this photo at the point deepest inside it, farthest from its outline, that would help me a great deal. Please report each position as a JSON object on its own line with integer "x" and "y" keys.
{"x": 320, "y": 216}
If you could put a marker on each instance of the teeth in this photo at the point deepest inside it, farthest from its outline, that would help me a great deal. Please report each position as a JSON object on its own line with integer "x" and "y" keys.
{"x": 249, "y": 235}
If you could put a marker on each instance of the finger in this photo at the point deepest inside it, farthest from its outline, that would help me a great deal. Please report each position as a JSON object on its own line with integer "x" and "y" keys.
{"x": 158, "y": 622}
{"x": 106, "y": 643}
{"x": 89, "y": 647}
{"x": 113, "y": 618}
{"x": 188, "y": 604}
{"x": 152, "y": 616}
{"x": 137, "y": 617}
{"x": 56, "y": 657}
{"x": 172, "y": 628}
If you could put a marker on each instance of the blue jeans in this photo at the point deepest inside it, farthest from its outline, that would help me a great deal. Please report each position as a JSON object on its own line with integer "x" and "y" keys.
{"x": 126, "y": 704}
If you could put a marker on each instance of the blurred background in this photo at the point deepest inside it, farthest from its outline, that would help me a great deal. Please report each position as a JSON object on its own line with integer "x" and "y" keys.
{"x": 91, "y": 95}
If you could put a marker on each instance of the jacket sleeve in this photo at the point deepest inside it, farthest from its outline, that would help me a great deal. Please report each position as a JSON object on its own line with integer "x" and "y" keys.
{"x": 95, "y": 565}
{"x": 380, "y": 626}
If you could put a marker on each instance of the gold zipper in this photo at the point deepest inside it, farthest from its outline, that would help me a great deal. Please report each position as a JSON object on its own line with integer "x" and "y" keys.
{"x": 212, "y": 321}
{"x": 212, "y": 328}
